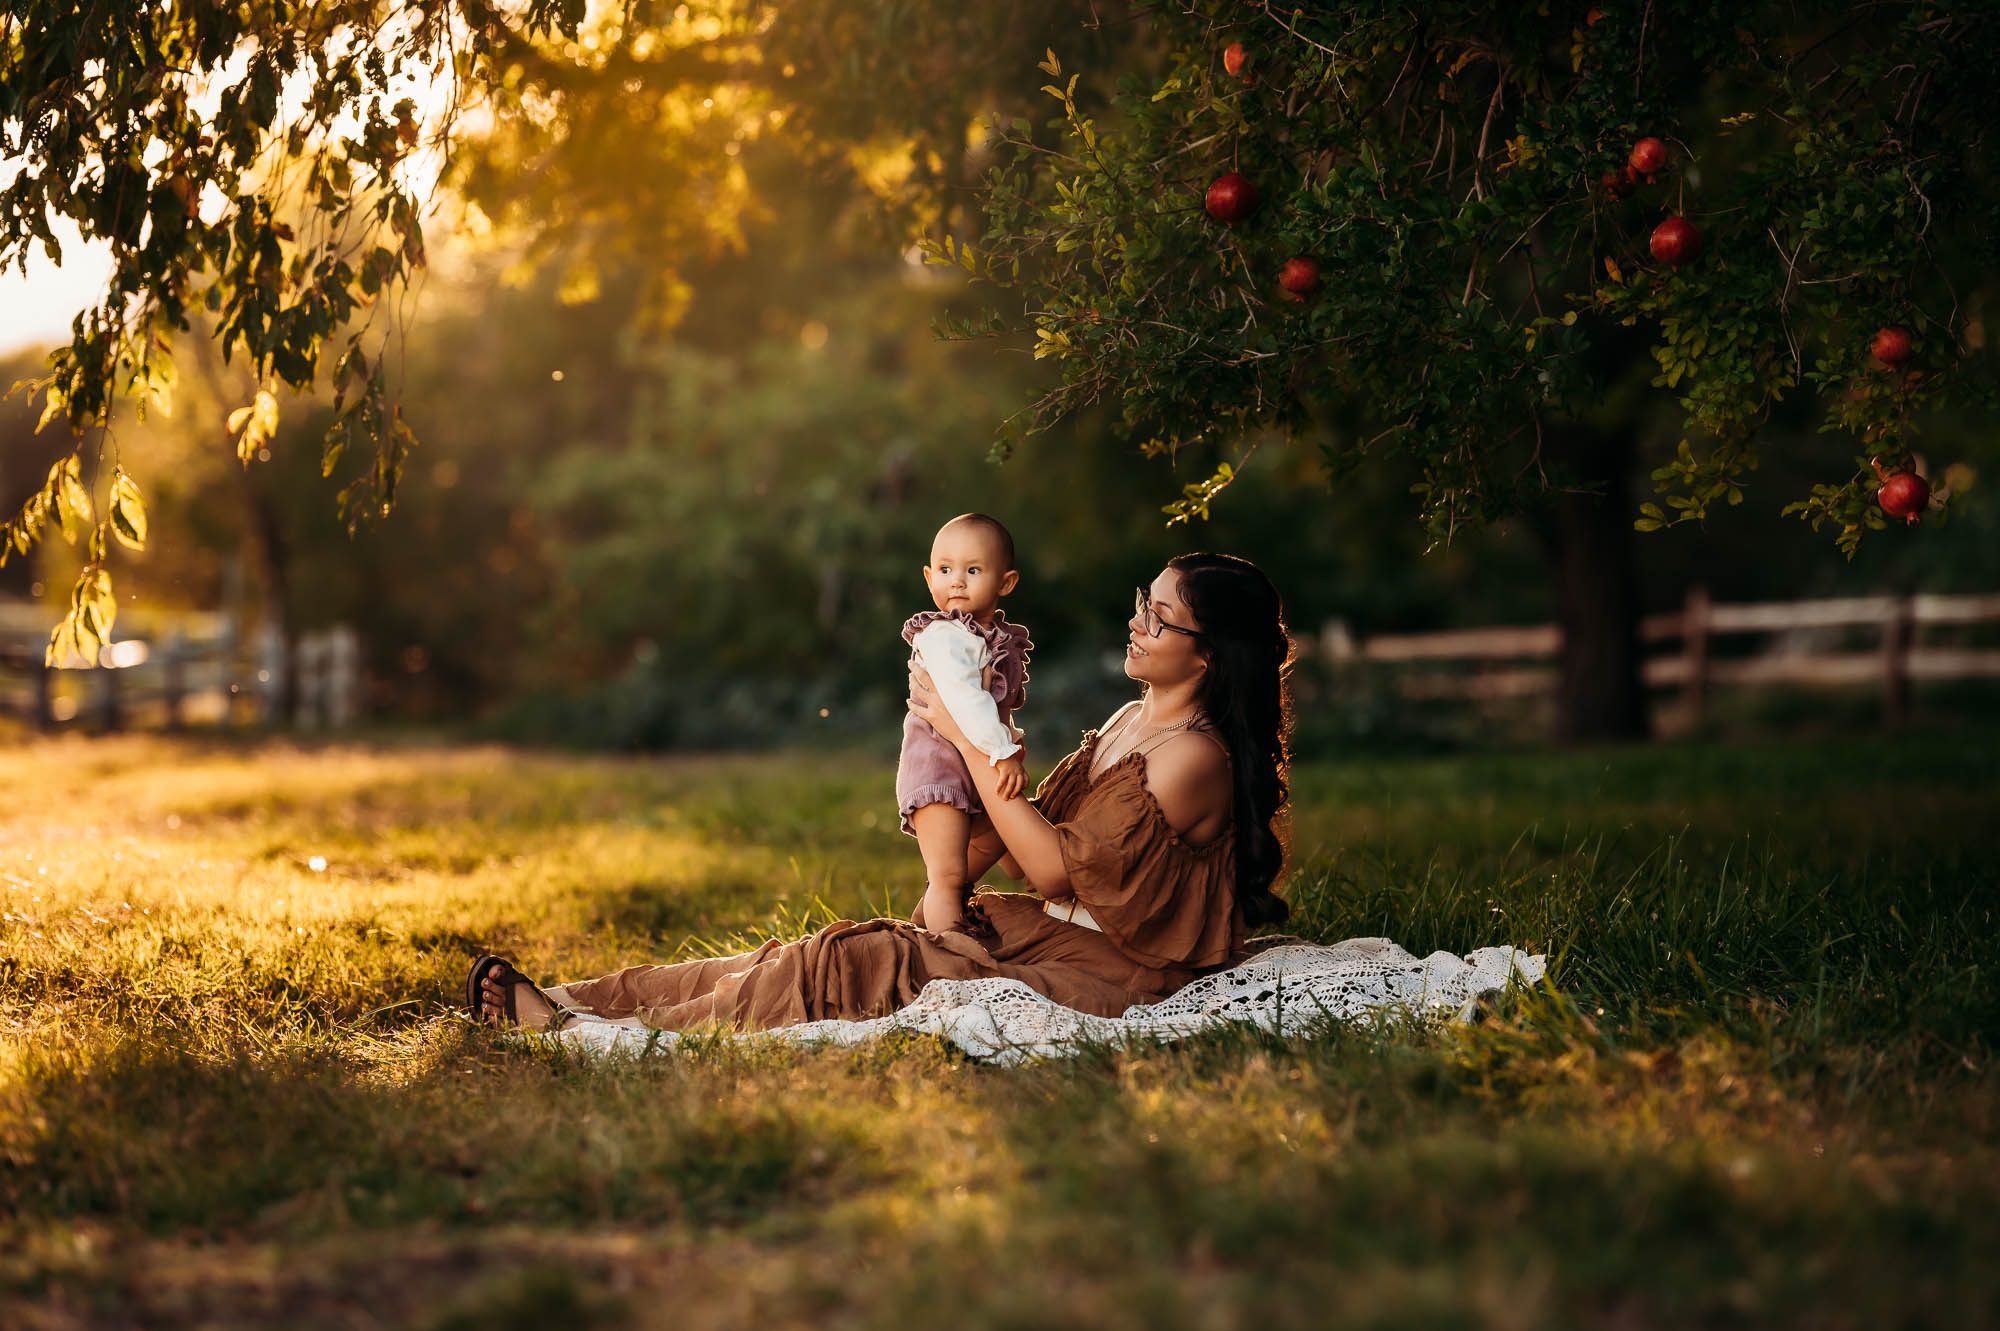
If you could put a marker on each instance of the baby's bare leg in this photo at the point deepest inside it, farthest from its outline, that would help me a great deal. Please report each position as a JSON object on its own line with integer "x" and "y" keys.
{"x": 942, "y": 835}
{"x": 988, "y": 850}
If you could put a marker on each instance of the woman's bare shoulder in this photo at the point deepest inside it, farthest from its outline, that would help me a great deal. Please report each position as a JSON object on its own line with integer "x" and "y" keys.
{"x": 1189, "y": 776}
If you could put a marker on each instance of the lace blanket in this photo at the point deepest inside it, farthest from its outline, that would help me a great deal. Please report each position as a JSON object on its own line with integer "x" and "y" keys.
{"x": 1291, "y": 989}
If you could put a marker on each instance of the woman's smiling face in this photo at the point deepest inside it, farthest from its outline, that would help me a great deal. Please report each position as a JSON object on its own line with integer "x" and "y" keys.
{"x": 1173, "y": 657}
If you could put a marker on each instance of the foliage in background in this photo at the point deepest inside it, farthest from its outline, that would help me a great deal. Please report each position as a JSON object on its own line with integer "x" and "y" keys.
{"x": 750, "y": 545}
{"x": 272, "y": 165}
{"x": 250, "y": 161}
{"x": 578, "y": 462}
{"x": 1453, "y": 171}
{"x": 438, "y": 592}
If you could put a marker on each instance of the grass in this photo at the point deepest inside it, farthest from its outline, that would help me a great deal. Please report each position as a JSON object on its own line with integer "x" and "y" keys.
{"x": 1758, "y": 1092}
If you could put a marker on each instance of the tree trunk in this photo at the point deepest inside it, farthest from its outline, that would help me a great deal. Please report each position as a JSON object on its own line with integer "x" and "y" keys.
{"x": 1589, "y": 543}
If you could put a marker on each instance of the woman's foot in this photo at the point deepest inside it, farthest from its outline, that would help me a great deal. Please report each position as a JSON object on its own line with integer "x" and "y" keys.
{"x": 499, "y": 980}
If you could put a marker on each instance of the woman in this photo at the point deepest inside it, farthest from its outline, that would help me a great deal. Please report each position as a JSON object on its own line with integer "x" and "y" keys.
{"x": 1150, "y": 850}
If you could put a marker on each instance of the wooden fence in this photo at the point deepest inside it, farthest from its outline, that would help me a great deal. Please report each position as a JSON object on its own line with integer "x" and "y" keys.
{"x": 1500, "y": 656}
{"x": 178, "y": 668}
{"x": 196, "y": 667}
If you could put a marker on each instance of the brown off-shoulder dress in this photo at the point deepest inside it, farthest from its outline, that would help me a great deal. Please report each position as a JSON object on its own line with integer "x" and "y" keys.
{"x": 1166, "y": 907}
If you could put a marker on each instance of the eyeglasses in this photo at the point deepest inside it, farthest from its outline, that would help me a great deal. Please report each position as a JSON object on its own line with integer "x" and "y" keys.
{"x": 1150, "y": 620}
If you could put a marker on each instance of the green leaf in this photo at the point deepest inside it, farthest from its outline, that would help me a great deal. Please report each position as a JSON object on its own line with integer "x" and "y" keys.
{"x": 128, "y": 511}
{"x": 54, "y": 408}
{"x": 72, "y": 498}
{"x": 62, "y": 644}
{"x": 334, "y": 445}
{"x": 254, "y": 425}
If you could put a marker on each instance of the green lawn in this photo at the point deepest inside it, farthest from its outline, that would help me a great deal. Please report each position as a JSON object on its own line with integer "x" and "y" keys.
{"x": 1759, "y": 1092}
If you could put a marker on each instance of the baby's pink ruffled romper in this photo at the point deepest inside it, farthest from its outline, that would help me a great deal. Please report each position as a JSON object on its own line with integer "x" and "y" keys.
{"x": 929, "y": 769}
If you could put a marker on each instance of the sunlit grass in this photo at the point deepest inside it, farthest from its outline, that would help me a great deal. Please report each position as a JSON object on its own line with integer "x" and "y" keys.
{"x": 1758, "y": 1090}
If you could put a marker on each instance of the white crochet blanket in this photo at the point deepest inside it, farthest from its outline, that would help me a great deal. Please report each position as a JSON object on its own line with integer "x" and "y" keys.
{"x": 1292, "y": 989}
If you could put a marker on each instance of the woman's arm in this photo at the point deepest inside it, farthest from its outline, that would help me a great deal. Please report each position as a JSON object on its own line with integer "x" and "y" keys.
{"x": 1187, "y": 776}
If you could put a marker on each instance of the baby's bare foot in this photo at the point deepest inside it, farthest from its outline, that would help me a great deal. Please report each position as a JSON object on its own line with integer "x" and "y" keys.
{"x": 943, "y": 907}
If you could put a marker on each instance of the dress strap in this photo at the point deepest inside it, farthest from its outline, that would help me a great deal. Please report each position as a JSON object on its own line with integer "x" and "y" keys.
{"x": 1208, "y": 732}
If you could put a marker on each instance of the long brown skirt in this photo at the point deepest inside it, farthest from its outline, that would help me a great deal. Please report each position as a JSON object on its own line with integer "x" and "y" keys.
{"x": 861, "y": 969}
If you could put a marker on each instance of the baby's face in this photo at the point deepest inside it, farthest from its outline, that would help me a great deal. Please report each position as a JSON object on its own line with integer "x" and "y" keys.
{"x": 967, "y": 571}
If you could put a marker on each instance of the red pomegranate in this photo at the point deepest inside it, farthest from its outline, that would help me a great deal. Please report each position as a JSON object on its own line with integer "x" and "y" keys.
{"x": 1591, "y": 16}
{"x": 1234, "y": 58}
{"x": 1648, "y": 157}
{"x": 1231, "y": 198}
{"x": 1299, "y": 277}
{"x": 1891, "y": 346}
{"x": 1903, "y": 494}
{"x": 1675, "y": 241}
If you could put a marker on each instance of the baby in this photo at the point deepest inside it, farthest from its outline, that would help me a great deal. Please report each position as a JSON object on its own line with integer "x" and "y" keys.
{"x": 979, "y": 664}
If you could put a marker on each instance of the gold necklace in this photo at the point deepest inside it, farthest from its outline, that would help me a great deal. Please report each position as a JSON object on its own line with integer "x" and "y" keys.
{"x": 1182, "y": 724}
{"x": 1133, "y": 747}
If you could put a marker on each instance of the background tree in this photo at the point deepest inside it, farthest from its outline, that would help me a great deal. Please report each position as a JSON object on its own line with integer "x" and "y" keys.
{"x": 1480, "y": 234}
{"x": 273, "y": 164}
{"x": 721, "y": 175}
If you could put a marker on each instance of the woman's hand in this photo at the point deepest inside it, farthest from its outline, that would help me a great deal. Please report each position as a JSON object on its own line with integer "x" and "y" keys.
{"x": 926, "y": 704}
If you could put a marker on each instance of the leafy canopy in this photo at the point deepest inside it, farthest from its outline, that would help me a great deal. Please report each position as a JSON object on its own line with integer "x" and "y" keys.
{"x": 267, "y": 167}
{"x": 1458, "y": 173}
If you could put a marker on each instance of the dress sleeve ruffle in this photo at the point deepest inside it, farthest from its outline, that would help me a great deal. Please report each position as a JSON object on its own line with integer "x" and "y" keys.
{"x": 923, "y": 619}
{"x": 1161, "y": 900}
{"x": 1008, "y": 645}
{"x": 1011, "y": 647}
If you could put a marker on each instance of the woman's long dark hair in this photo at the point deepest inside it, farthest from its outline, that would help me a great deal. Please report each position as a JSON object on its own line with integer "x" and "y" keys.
{"x": 1243, "y": 633}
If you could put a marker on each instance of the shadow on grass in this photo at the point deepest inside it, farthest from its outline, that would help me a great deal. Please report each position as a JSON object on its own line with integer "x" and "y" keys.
{"x": 304, "y": 1141}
